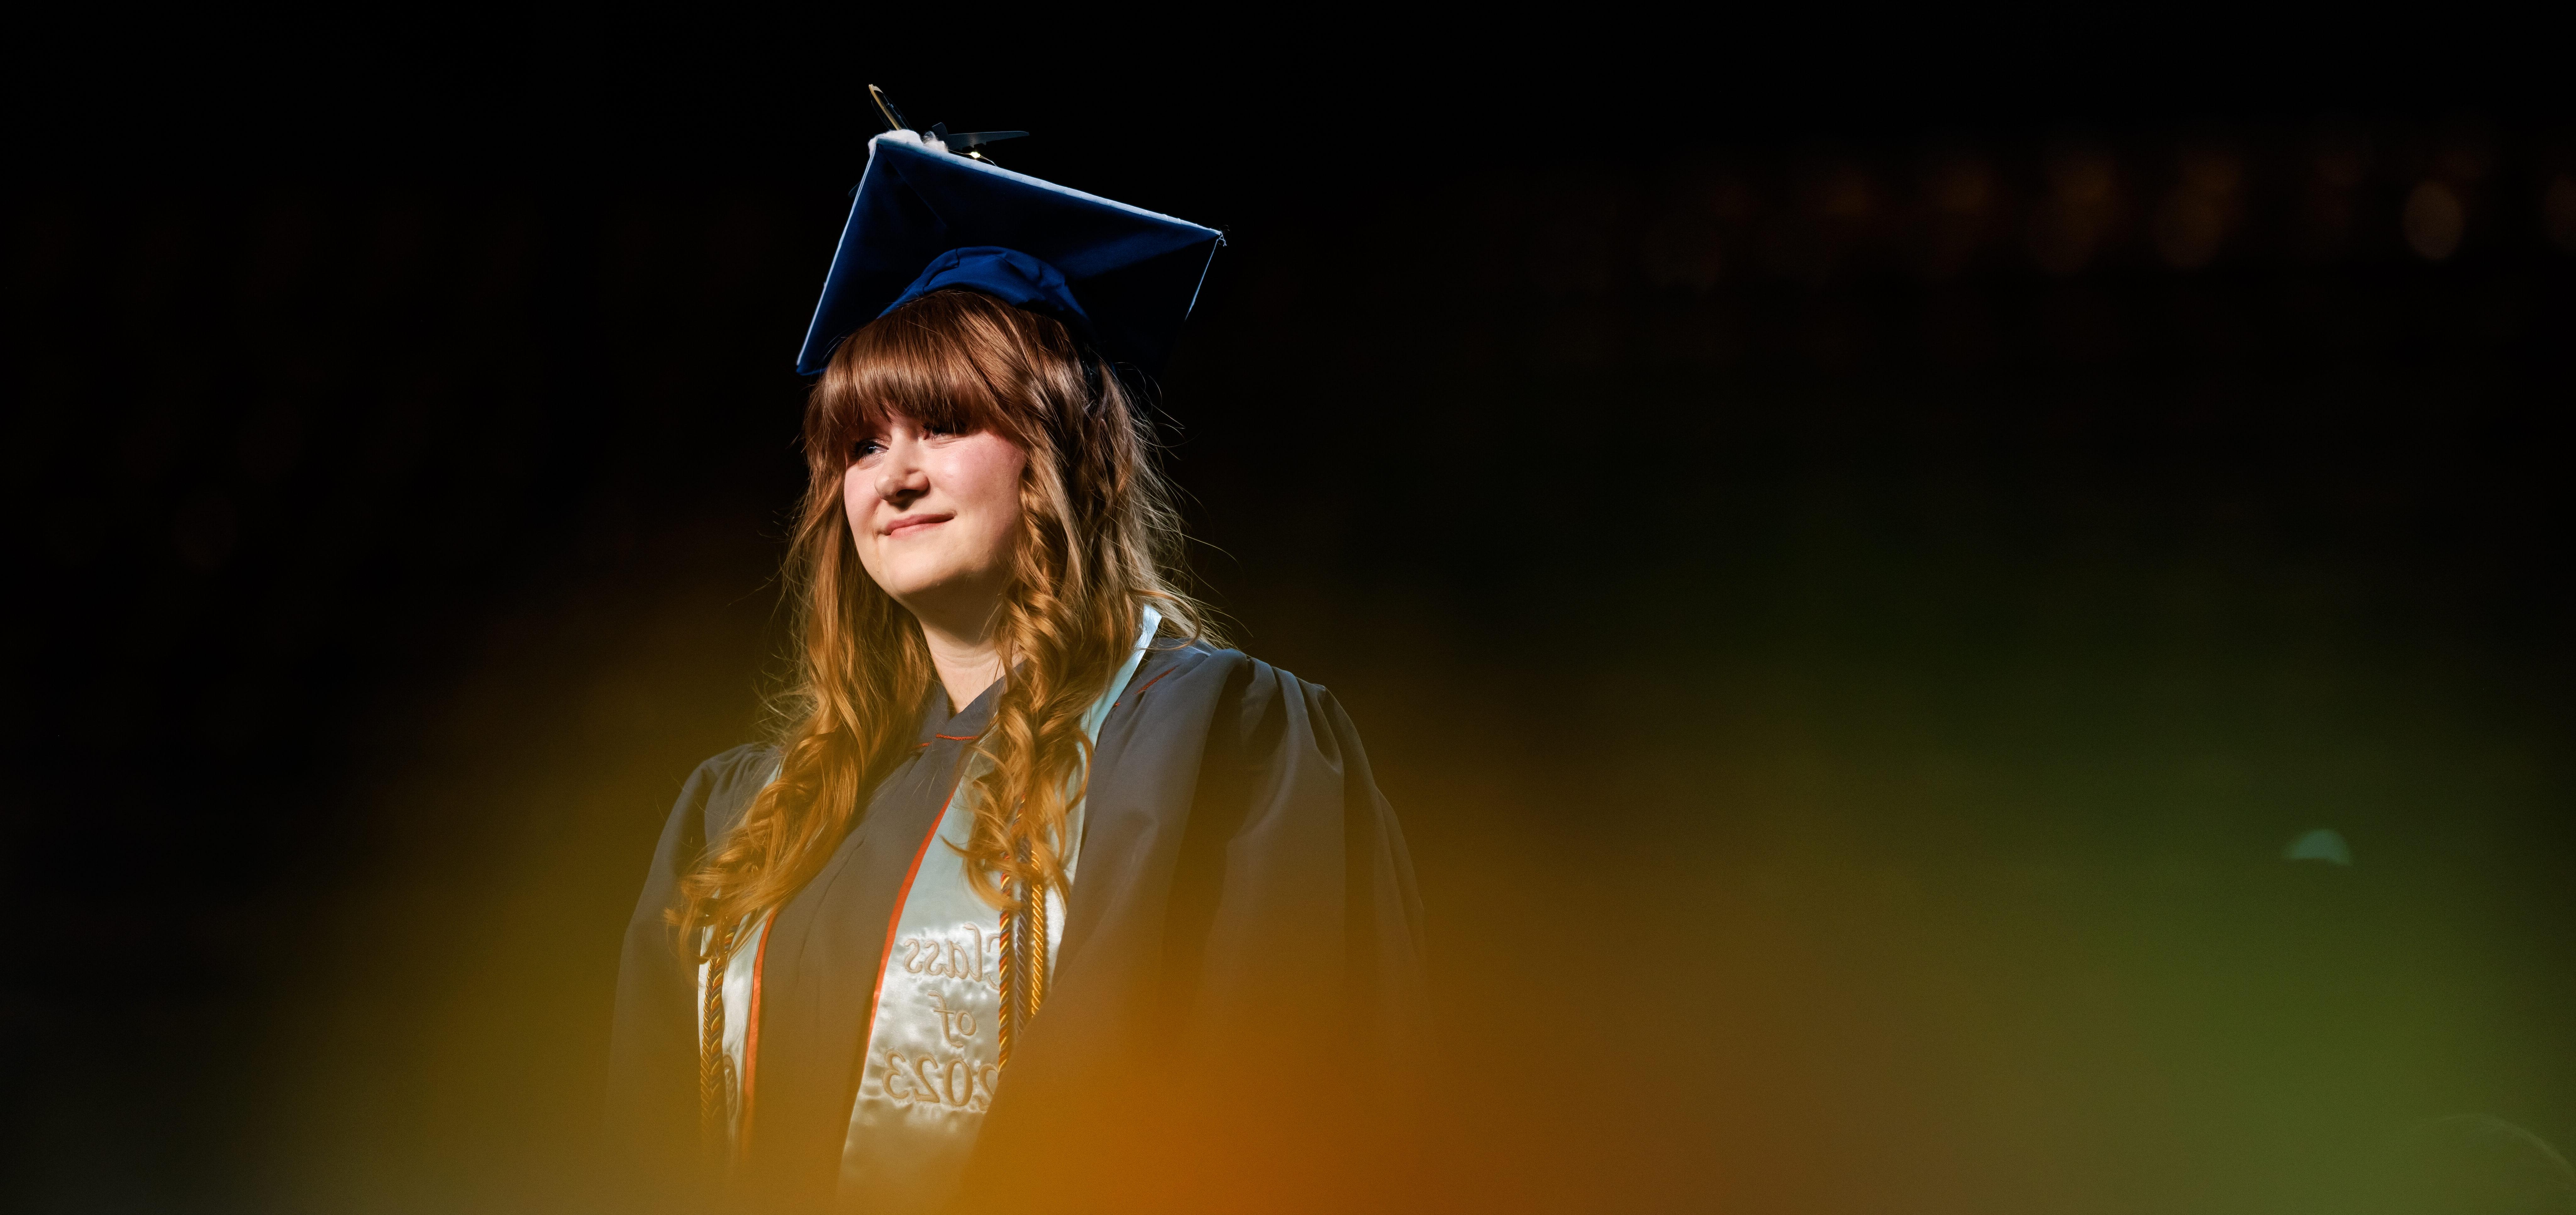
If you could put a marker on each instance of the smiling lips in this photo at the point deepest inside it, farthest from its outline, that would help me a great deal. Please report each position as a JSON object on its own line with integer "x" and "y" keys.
{"x": 909, "y": 525}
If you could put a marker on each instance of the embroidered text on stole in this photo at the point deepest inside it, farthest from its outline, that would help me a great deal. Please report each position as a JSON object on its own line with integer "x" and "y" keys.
{"x": 933, "y": 1058}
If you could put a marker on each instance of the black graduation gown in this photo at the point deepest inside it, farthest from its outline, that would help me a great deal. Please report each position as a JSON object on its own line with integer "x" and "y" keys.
{"x": 1236, "y": 1013}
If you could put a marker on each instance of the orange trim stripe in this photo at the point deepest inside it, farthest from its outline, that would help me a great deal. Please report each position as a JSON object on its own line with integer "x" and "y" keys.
{"x": 894, "y": 925}
{"x": 1148, "y": 686}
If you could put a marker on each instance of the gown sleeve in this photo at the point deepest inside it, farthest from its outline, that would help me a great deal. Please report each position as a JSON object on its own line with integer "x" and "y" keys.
{"x": 1306, "y": 1025}
{"x": 1267, "y": 1053}
{"x": 1312, "y": 941}
{"x": 650, "y": 1121}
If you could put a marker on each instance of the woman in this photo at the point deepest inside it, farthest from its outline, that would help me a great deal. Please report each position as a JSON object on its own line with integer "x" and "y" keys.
{"x": 1041, "y": 894}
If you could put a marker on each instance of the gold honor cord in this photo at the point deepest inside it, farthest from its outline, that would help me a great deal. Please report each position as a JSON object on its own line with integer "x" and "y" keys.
{"x": 1024, "y": 971}
{"x": 715, "y": 1066}
{"x": 727, "y": 1005}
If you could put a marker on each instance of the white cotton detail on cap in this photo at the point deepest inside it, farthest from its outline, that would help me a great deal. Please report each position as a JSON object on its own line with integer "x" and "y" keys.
{"x": 900, "y": 135}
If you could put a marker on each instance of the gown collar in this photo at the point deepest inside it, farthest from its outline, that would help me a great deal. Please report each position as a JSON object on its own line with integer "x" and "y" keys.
{"x": 965, "y": 725}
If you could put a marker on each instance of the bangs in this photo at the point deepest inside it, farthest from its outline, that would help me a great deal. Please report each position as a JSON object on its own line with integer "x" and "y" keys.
{"x": 950, "y": 359}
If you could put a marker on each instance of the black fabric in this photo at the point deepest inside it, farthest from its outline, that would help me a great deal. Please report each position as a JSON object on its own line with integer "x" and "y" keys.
{"x": 651, "y": 1106}
{"x": 1238, "y": 992}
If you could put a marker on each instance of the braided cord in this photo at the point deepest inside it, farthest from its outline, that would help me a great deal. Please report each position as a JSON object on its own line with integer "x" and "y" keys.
{"x": 1024, "y": 977}
{"x": 715, "y": 1067}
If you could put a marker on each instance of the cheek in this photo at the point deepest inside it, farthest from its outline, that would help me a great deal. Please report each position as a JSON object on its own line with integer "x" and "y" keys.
{"x": 988, "y": 479}
{"x": 856, "y": 501}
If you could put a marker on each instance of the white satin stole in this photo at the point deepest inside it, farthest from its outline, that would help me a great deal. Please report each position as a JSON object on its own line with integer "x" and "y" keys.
{"x": 933, "y": 1050}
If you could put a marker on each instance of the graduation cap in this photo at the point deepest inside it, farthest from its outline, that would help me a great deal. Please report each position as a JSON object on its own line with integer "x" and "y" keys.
{"x": 926, "y": 218}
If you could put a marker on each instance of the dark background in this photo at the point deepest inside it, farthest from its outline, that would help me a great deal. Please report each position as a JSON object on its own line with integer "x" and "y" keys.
{"x": 1854, "y": 563}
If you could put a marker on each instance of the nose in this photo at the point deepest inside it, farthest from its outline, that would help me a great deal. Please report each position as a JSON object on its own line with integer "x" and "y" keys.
{"x": 902, "y": 479}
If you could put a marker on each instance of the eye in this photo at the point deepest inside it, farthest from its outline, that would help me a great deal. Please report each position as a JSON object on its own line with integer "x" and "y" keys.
{"x": 866, "y": 447}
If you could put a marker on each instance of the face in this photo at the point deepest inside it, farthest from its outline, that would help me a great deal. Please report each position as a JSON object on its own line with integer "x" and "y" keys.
{"x": 934, "y": 515}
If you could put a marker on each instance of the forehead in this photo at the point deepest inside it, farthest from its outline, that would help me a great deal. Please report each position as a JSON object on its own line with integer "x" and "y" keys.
{"x": 873, "y": 415}
{"x": 879, "y": 421}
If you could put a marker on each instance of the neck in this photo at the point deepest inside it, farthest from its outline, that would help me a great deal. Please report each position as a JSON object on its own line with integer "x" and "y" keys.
{"x": 967, "y": 662}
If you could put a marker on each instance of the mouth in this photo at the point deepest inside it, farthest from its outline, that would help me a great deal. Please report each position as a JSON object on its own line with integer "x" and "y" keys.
{"x": 913, "y": 525}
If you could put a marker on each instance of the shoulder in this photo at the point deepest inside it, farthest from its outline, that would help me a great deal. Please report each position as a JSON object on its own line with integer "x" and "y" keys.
{"x": 1196, "y": 671}
{"x": 728, "y": 771}
{"x": 711, "y": 801}
{"x": 1227, "y": 692}
{"x": 721, "y": 787}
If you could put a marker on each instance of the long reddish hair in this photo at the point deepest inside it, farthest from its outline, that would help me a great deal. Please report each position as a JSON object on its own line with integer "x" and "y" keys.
{"x": 1098, "y": 538}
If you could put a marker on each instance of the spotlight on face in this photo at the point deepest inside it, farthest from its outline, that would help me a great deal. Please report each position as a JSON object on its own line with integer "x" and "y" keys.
{"x": 933, "y": 514}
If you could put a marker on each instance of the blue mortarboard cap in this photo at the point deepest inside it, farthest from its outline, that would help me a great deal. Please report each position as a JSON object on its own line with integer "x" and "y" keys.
{"x": 924, "y": 219}
{"x": 1013, "y": 277}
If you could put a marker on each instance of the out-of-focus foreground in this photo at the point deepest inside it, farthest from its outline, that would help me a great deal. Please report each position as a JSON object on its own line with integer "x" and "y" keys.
{"x": 2016, "y": 670}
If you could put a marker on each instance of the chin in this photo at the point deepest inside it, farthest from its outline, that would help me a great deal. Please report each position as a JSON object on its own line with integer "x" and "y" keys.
{"x": 907, "y": 580}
